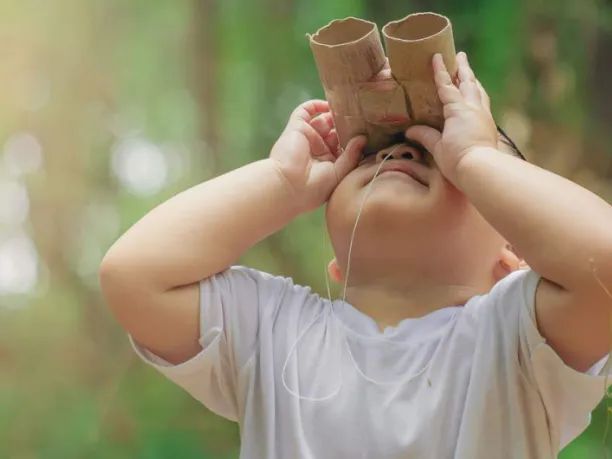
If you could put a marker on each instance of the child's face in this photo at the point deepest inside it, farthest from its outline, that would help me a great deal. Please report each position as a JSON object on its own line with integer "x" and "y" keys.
{"x": 413, "y": 218}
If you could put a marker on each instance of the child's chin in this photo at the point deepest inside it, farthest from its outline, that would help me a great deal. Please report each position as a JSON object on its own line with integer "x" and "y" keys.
{"x": 395, "y": 204}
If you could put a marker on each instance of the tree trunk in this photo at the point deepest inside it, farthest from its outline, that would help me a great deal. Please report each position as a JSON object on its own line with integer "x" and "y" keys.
{"x": 203, "y": 80}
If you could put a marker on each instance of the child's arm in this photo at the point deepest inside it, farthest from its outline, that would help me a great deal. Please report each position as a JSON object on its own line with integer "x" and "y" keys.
{"x": 558, "y": 227}
{"x": 562, "y": 230}
{"x": 150, "y": 276}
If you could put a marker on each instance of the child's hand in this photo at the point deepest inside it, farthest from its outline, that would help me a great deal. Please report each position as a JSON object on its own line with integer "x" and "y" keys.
{"x": 468, "y": 120}
{"x": 308, "y": 155}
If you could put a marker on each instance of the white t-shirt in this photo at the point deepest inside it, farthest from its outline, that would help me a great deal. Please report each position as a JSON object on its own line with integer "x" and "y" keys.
{"x": 471, "y": 382}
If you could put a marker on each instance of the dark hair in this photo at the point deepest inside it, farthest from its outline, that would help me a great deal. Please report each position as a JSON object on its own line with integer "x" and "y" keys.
{"x": 508, "y": 141}
{"x": 400, "y": 138}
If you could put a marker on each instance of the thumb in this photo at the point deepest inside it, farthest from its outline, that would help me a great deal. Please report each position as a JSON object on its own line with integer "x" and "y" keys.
{"x": 349, "y": 158}
{"x": 425, "y": 135}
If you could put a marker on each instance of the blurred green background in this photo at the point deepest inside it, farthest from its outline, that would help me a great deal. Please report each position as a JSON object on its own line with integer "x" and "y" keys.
{"x": 108, "y": 107}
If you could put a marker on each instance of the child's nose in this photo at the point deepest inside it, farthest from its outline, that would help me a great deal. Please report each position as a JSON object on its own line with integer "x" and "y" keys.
{"x": 397, "y": 152}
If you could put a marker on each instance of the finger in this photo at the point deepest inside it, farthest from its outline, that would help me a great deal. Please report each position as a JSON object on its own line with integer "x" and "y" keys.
{"x": 471, "y": 93}
{"x": 484, "y": 97}
{"x": 385, "y": 72}
{"x": 323, "y": 123}
{"x": 349, "y": 158}
{"x": 465, "y": 72}
{"x": 449, "y": 94}
{"x": 333, "y": 143}
{"x": 447, "y": 91}
{"x": 454, "y": 109}
{"x": 308, "y": 110}
{"x": 318, "y": 147}
{"x": 467, "y": 81}
{"x": 438, "y": 64}
{"x": 425, "y": 135}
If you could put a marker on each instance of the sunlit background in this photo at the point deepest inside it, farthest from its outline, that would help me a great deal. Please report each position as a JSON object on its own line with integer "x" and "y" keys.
{"x": 108, "y": 107}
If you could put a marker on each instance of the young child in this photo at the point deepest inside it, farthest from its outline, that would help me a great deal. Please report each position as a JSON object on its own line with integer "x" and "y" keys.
{"x": 447, "y": 346}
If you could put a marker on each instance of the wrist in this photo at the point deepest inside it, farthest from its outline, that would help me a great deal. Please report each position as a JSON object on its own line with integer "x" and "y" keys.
{"x": 293, "y": 198}
{"x": 471, "y": 160}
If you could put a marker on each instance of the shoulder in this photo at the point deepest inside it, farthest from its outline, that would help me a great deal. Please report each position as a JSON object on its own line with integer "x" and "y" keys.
{"x": 510, "y": 296}
{"x": 239, "y": 280}
{"x": 238, "y": 285}
{"x": 504, "y": 318}
{"x": 260, "y": 282}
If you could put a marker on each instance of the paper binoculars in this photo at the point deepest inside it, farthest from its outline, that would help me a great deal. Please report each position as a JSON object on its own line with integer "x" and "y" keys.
{"x": 379, "y": 97}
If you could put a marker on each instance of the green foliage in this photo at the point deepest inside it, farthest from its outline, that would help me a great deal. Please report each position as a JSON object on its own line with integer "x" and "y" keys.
{"x": 210, "y": 86}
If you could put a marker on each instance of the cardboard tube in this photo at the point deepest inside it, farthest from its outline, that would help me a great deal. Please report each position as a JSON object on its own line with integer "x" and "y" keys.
{"x": 350, "y": 60}
{"x": 411, "y": 44}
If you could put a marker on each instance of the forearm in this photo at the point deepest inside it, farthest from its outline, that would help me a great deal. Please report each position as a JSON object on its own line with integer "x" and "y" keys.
{"x": 205, "y": 229}
{"x": 560, "y": 228}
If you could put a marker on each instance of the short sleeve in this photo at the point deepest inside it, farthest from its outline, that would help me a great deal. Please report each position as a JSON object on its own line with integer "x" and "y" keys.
{"x": 568, "y": 396}
{"x": 232, "y": 304}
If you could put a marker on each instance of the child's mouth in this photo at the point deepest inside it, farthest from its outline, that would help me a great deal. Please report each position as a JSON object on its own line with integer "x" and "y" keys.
{"x": 403, "y": 168}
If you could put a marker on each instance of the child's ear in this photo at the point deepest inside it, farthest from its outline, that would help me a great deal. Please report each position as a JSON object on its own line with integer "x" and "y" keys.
{"x": 522, "y": 264}
{"x": 509, "y": 260}
{"x": 334, "y": 271}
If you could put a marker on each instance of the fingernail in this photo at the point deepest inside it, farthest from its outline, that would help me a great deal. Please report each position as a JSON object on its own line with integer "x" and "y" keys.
{"x": 355, "y": 140}
{"x": 359, "y": 139}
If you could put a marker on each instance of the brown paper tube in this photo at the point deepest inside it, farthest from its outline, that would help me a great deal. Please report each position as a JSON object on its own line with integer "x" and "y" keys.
{"x": 411, "y": 44}
{"x": 349, "y": 57}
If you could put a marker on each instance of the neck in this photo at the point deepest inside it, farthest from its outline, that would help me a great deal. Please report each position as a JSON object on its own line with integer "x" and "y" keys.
{"x": 388, "y": 305}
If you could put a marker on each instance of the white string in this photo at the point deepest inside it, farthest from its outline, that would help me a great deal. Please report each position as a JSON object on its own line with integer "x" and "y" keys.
{"x": 365, "y": 198}
{"x": 326, "y": 271}
{"x": 303, "y": 333}
{"x": 346, "y": 279}
{"x": 402, "y": 380}
{"x": 294, "y": 348}
{"x": 331, "y": 310}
